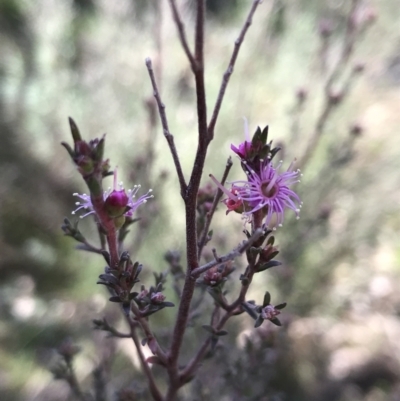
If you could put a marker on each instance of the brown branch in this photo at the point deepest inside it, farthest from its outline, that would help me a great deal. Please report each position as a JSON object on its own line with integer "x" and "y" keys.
{"x": 190, "y": 208}
{"x": 155, "y": 392}
{"x": 167, "y": 133}
{"x": 199, "y": 80}
{"x": 229, "y": 256}
{"x": 210, "y": 214}
{"x": 147, "y": 331}
{"x": 182, "y": 35}
{"x": 229, "y": 70}
{"x": 191, "y": 367}
{"x": 231, "y": 309}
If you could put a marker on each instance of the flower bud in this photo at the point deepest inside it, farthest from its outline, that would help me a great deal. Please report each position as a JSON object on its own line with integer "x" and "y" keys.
{"x": 157, "y": 298}
{"x": 269, "y": 312}
{"x": 82, "y": 148}
{"x": 116, "y": 203}
{"x": 213, "y": 277}
{"x": 85, "y": 165}
{"x": 268, "y": 253}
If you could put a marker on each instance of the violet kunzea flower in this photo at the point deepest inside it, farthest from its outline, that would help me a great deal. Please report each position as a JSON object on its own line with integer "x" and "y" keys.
{"x": 266, "y": 190}
{"x": 117, "y": 201}
{"x": 244, "y": 149}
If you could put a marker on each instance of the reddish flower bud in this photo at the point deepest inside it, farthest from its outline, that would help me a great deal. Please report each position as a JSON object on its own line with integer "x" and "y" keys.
{"x": 116, "y": 203}
{"x": 269, "y": 312}
{"x": 213, "y": 277}
{"x": 157, "y": 298}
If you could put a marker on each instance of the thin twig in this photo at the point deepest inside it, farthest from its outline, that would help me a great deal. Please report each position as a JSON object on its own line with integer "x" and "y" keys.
{"x": 229, "y": 70}
{"x": 147, "y": 331}
{"x": 229, "y": 256}
{"x": 182, "y": 34}
{"x": 200, "y": 85}
{"x": 73, "y": 381}
{"x": 233, "y": 308}
{"x": 191, "y": 367}
{"x": 167, "y": 133}
{"x": 155, "y": 392}
{"x": 348, "y": 50}
{"x": 210, "y": 214}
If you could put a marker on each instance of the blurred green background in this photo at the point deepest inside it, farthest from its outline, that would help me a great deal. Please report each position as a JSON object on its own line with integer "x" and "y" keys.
{"x": 341, "y": 260}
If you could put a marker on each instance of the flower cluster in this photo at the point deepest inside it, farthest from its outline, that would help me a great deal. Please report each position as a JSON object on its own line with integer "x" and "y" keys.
{"x": 117, "y": 201}
{"x": 266, "y": 188}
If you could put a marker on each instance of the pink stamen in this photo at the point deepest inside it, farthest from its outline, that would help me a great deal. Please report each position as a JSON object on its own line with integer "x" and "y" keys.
{"x": 223, "y": 189}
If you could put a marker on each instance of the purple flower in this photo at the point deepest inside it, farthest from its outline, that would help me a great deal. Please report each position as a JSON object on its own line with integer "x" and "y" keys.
{"x": 270, "y": 312}
{"x": 266, "y": 190}
{"x": 245, "y": 148}
{"x": 116, "y": 198}
{"x": 157, "y": 298}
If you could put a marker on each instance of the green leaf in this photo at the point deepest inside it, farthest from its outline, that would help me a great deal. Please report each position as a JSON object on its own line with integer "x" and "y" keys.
{"x": 76, "y": 135}
{"x": 276, "y": 321}
{"x": 99, "y": 150}
{"x": 264, "y": 135}
{"x": 281, "y": 306}
{"x": 69, "y": 149}
{"x": 258, "y": 322}
{"x": 167, "y": 304}
{"x": 267, "y": 299}
{"x": 208, "y": 328}
{"x": 268, "y": 265}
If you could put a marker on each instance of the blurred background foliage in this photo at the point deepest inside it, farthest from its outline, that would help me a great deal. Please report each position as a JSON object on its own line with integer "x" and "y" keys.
{"x": 341, "y": 260}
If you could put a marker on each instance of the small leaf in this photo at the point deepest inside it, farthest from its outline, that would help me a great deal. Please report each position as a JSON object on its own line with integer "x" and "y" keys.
{"x": 264, "y": 135}
{"x": 106, "y": 256}
{"x": 69, "y": 149}
{"x": 155, "y": 360}
{"x": 276, "y": 321}
{"x": 98, "y": 151}
{"x": 256, "y": 137}
{"x": 109, "y": 278}
{"x": 271, "y": 240}
{"x": 268, "y": 265}
{"x": 167, "y": 304}
{"x": 267, "y": 299}
{"x": 275, "y": 151}
{"x": 115, "y": 299}
{"x": 144, "y": 341}
{"x": 273, "y": 254}
{"x": 258, "y": 322}
{"x": 221, "y": 333}
{"x": 76, "y": 135}
{"x": 281, "y": 306}
{"x": 208, "y": 328}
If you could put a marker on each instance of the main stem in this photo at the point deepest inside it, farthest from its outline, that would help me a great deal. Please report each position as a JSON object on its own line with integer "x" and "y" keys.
{"x": 190, "y": 209}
